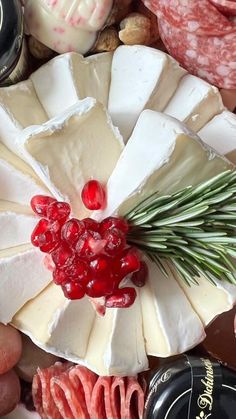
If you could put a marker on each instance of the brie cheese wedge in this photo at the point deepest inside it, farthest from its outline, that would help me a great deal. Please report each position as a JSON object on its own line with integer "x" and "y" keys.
{"x": 70, "y": 150}
{"x": 16, "y": 224}
{"x": 71, "y": 77}
{"x": 195, "y": 102}
{"x": 141, "y": 77}
{"x": 23, "y": 276}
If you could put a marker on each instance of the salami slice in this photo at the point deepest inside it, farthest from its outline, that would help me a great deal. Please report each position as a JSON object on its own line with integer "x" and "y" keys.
{"x": 227, "y": 7}
{"x": 118, "y": 390}
{"x": 134, "y": 401}
{"x": 101, "y": 399}
{"x": 83, "y": 381}
{"x": 192, "y": 39}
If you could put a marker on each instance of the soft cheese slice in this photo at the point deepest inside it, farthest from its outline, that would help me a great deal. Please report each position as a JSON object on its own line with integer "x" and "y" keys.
{"x": 175, "y": 327}
{"x": 16, "y": 224}
{"x": 195, "y": 102}
{"x": 80, "y": 145}
{"x": 141, "y": 77}
{"x": 18, "y": 181}
{"x": 116, "y": 344}
{"x": 19, "y": 108}
{"x": 220, "y": 133}
{"x": 207, "y": 299}
{"x": 71, "y": 77}
{"x": 161, "y": 155}
{"x": 22, "y": 275}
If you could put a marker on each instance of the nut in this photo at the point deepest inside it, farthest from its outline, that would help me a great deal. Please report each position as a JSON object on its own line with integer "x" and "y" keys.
{"x": 108, "y": 40}
{"x": 135, "y": 29}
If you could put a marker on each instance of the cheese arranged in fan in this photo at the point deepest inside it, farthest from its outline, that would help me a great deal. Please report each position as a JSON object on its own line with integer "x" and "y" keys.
{"x": 81, "y": 142}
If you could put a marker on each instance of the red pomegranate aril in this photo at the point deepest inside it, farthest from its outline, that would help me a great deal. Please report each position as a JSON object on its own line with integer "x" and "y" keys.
{"x": 79, "y": 271}
{"x": 73, "y": 291}
{"x": 58, "y": 211}
{"x": 93, "y": 195}
{"x": 89, "y": 244}
{"x": 114, "y": 222}
{"x": 50, "y": 247}
{"x": 40, "y": 229}
{"x": 72, "y": 230}
{"x": 122, "y": 298}
{"x": 115, "y": 241}
{"x": 40, "y": 203}
{"x": 100, "y": 287}
{"x": 130, "y": 262}
{"x": 63, "y": 255}
{"x": 91, "y": 224}
{"x": 140, "y": 277}
{"x": 100, "y": 266}
{"x": 60, "y": 277}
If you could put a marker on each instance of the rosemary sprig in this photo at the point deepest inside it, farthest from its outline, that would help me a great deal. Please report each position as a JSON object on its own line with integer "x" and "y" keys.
{"x": 195, "y": 229}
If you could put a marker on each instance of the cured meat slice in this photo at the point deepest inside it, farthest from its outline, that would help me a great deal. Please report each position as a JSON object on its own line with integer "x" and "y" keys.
{"x": 43, "y": 400}
{"x": 118, "y": 390}
{"x": 225, "y": 6}
{"x": 134, "y": 400}
{"x": 101, "y": 399}
{"x": 200, "y": 37}
{"x": 83, "y": 381}
{"x": 200, "y": 17}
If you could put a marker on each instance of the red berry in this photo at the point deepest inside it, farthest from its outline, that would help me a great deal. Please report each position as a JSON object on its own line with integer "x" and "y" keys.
{"x": 63, "y": 255}
{"x": 122, "y": 298}
{"x": 73, "y": 291}
{"x": 113, "y": 222}
{"x": 130, "y": 262}
{"x": 58, "y": 211}
{"x": 91, "y": 224}
{"x": 89, "y": 244}
{"x": 93, "y": 195}
{"x": 100, "y": 266}
{"x": 60, "y": 277}
{"x": 40, "y": 203}
{"x": 79, "y": 271}
{"x": 115, "y": 241}
{"x": 100, "y": 287}
{"x": 72, "y": 230}
{"x": 139, "y": 277}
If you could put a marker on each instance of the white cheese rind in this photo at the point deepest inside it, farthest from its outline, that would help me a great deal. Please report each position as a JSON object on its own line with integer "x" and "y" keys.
{"x": 220, "y": 132}
{"x": 175, "y": 327}
{"x": 195, "y": 102}
{"x": 141, "y": 77}
{"x": 15, "y": 228}
{"x": 19, "y": 108}
{"x": 70, "y": 150}
{"x": 23, "y": 276}
{"x": 155, "y": 159}
{"x": 71, "y": 77}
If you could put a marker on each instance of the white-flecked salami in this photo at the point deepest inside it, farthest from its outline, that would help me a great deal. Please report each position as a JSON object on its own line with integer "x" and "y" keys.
{"x": 227, "y": 7}
{"x": 71, "y": 392}
{"x": 200, "y": 37}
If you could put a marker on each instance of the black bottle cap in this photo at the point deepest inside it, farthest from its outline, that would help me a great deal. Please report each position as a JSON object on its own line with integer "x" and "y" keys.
{"x": 191, "y": 388}
{"x": 11, "y": 35}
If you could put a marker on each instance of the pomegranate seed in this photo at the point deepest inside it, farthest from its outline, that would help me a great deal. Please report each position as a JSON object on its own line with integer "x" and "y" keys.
{"x": 113, "y": 222}
{"x": 63, "y": 255}
{"x": 100, "y": 266}
{"x": 89, "y": 244}
{"x": 91, "y": 224}
{"x": 123, "y": 298}
{"x": 79, "y": 271}
{"x": 139, "y": 277}
{"x": 72, "y": 230}
{"x": 39, "y": 231}
{"x": 115, "y": 241}
{"x": 40, "y": 203}
{"x": 100, "y": 287}
{"x": 93, "y": 195}
{"x": 73, "y": 291}
{"x": 60, "y": 277}
{"x": 130, "y": 262}
{"x": 58, "y": 211}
